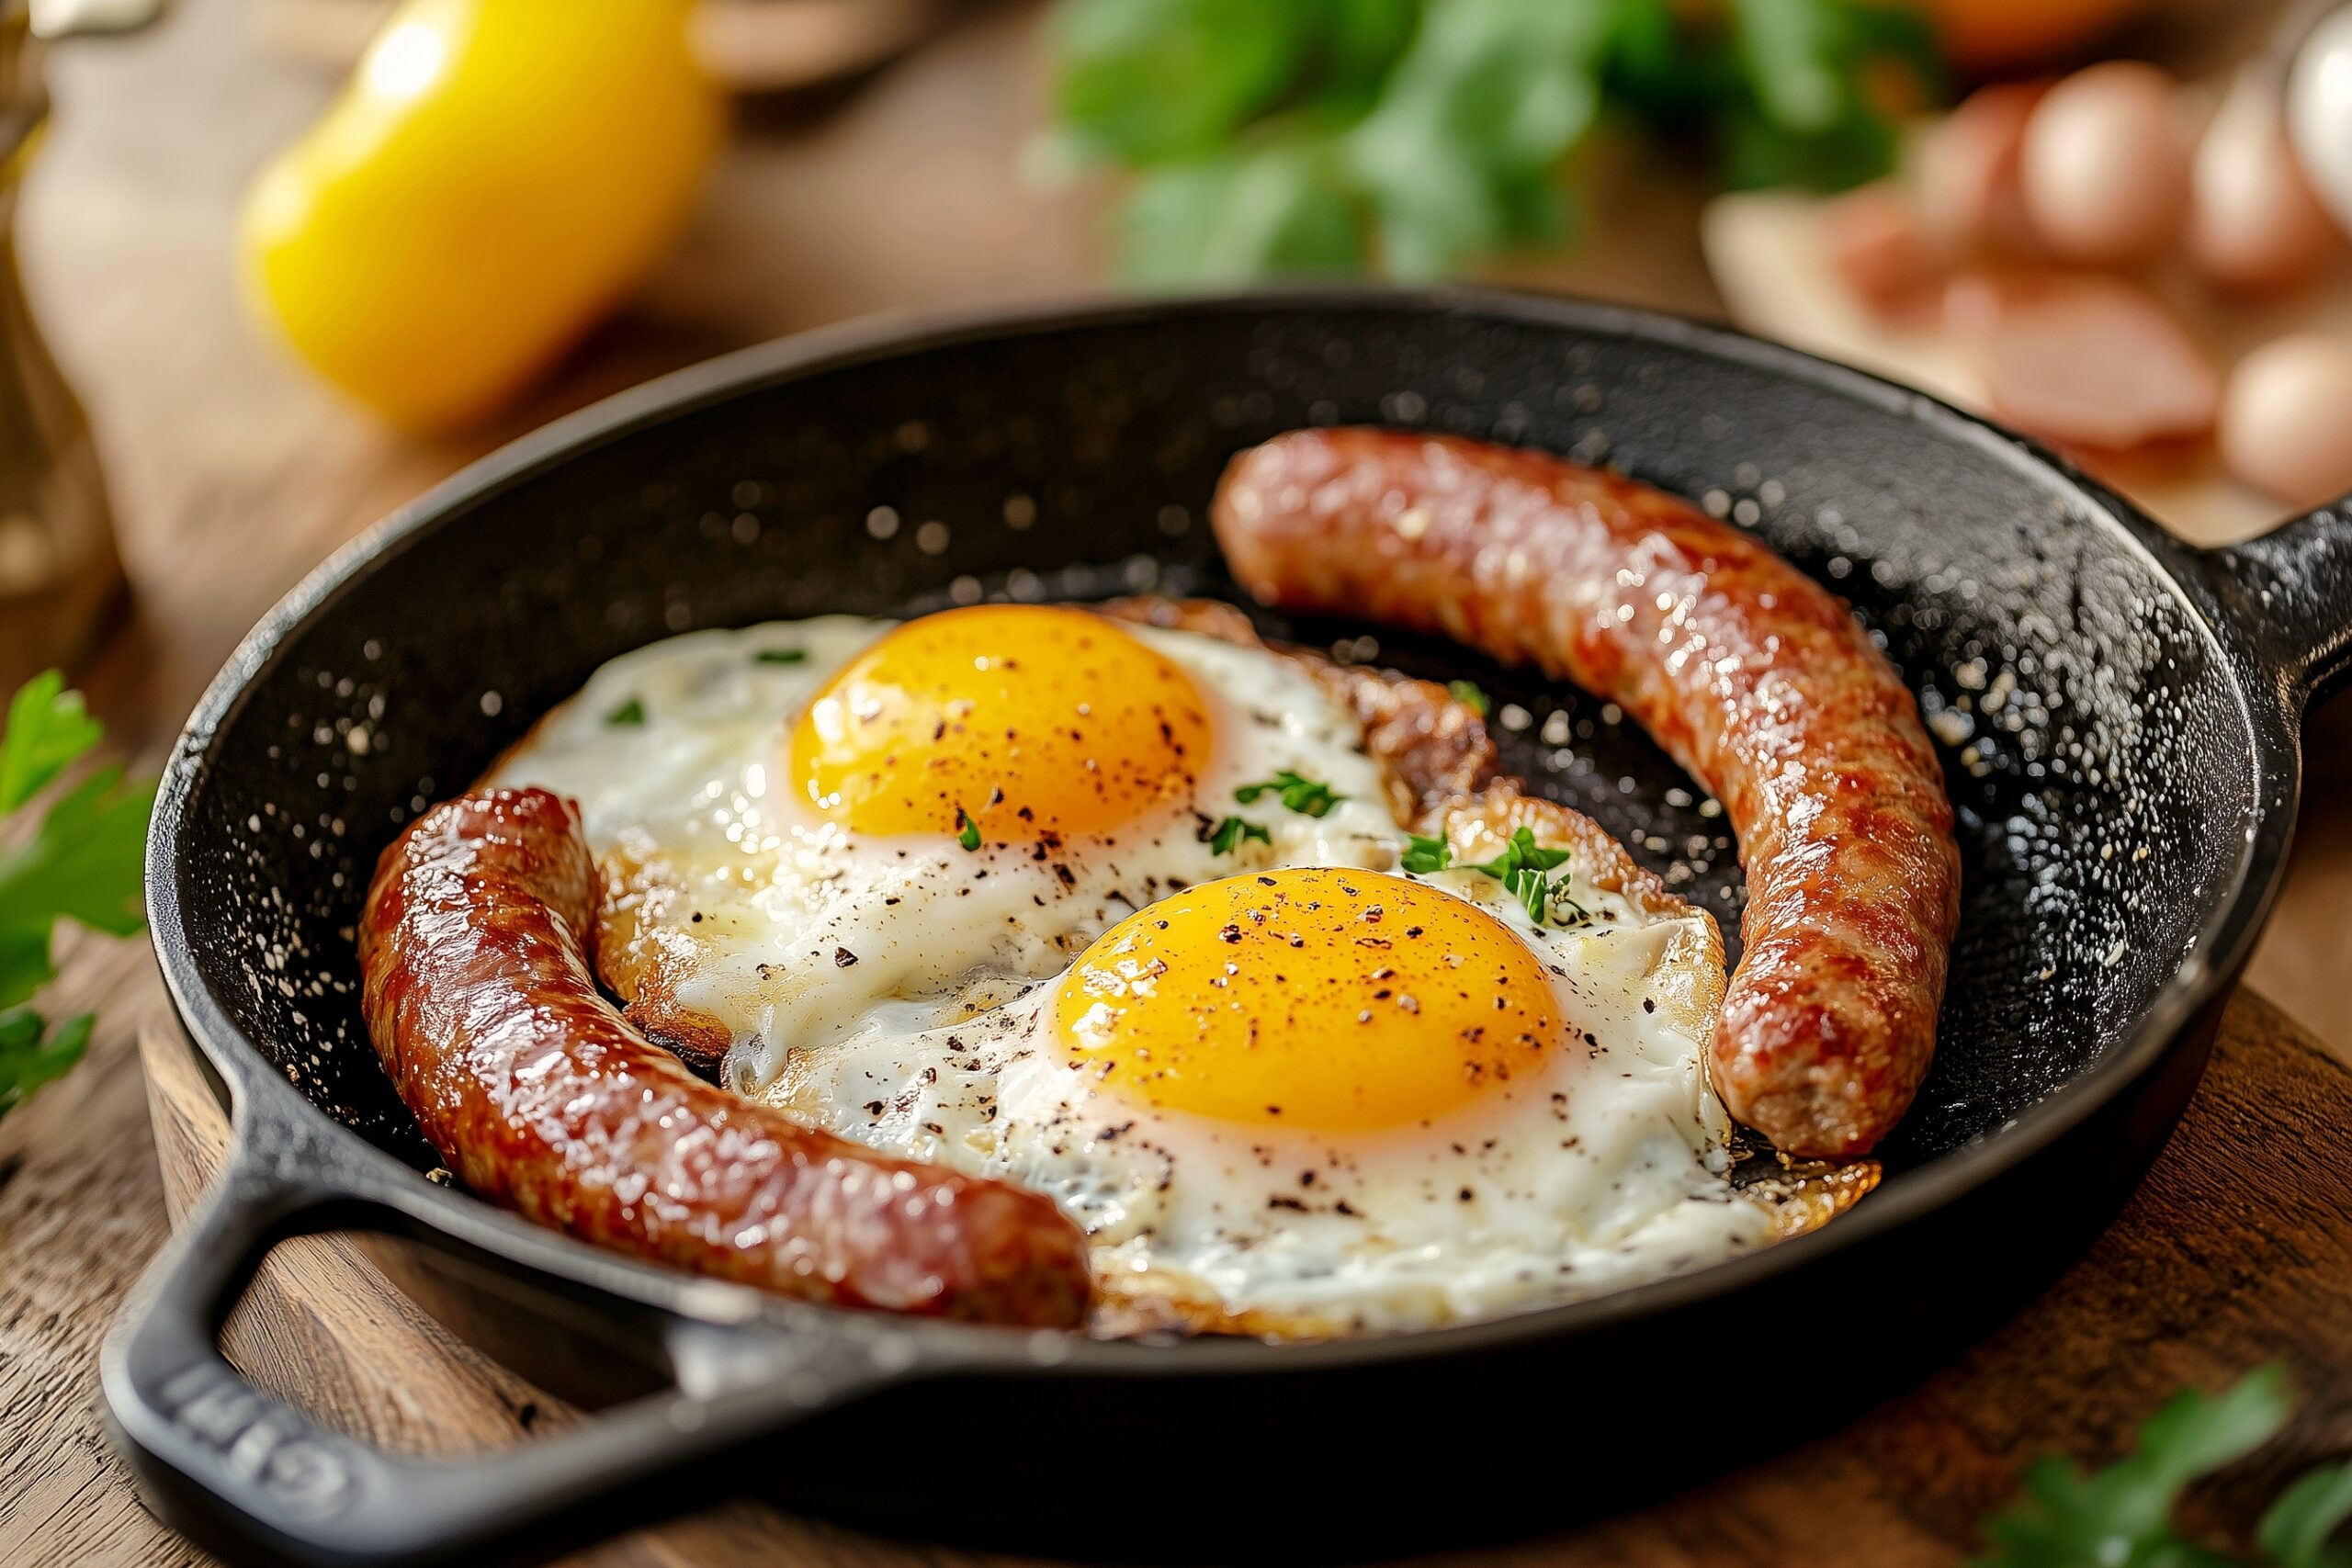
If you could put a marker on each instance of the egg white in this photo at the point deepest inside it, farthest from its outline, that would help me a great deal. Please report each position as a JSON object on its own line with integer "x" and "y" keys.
{"x": 1606, "y": 1170}
{"x": 891, "y": 989}
{"x": 800, "y": 928}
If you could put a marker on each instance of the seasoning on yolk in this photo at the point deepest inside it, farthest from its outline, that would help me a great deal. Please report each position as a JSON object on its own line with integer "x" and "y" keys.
{"x": 1309, "y": 997}
{"x": 1028, "y": 719}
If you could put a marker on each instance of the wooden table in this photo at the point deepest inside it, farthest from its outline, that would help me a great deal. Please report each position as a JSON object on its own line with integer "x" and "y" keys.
{"x": 232, "y": 475}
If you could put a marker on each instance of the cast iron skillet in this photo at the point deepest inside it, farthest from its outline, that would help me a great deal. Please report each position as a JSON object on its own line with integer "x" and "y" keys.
{"x": 2119, "y": 712}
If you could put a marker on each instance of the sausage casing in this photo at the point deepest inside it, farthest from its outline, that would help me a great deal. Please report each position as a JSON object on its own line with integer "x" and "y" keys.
{"x": 1750, "y": 675}
{"x": 481, "y": 1000}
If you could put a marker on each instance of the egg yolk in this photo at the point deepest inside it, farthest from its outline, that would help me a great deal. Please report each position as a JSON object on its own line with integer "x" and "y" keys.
{"x": 1318, "y": 998}
{"x": 1018, "y": 720}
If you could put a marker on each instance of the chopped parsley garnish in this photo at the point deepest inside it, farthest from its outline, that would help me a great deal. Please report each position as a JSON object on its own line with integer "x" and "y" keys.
{"x": 1524, "y": 870}
{"x": 630, "y": 712}
{"x": 1299, "y": 792}
{"x": 1534, "y": 891}
{"x": 1235, "y": 830}
{"x": 780, "y": 656}
{"x": 81, "y": 864}
{"x": 1426, "y": 854}
{"x": 1468, "y": 693}
{"x": 967, "y": 832}
{"x": 1521, "y": 855}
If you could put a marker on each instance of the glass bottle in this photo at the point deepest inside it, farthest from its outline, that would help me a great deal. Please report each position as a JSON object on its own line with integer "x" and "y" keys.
{"x": 60, "y": 574}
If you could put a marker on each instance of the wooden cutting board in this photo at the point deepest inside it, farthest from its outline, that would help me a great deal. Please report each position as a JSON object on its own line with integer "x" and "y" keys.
{"x": 2237, "y": 1250}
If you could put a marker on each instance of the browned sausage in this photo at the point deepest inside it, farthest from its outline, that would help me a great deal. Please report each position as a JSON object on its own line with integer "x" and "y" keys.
{"x": 1753, "y": 676}
{"x": 483, "y": 1005}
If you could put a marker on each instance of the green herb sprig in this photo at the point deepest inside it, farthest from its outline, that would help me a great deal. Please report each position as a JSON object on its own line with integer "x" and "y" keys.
{"x": 1525, "y": 870}
{"x": 82, "y": 863}
{"x": 1426, "y": 855}
{"x": 2121, "y": 1516}
{"x": 1310, "y": 136}
{"x": 1299, "y": 792}
{"x": 1234, "y": 831}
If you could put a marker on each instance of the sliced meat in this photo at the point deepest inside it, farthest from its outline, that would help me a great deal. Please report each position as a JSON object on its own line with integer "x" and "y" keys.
{"x": 1880, "y": 249}
{"x": 2082, "y": 358}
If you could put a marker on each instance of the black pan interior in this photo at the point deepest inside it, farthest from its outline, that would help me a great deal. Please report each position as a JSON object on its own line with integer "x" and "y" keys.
{"x": 2097, "y": 748}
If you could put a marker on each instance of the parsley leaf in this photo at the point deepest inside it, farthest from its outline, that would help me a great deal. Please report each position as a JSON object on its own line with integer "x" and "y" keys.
{"x": 1521, "y": 855}
{"x": 1234, "y": 831}
{"x": 2296, "y": 1529}
{"x": 1524, "y": 870}
{"x": 1275, "y": 211}
{"x": 1534, "y": 891}
{"x": 1304, "y": 137}
{"x": 630, "y": 713}
{"x": 82, "y": 863}
{"x": 28, "y": 1060}
{"x": 1426, "y": 854}
{"x": 780, "y": 656}
{"x": 967, "y": 832}
{"x": 1459, "y": 156}
{"x": 1807, "y": 117}
{"x": 2122, "y": 1515}
{"x": 48, "y": 727}
{"x": 1299, "y": 793}
{"x": 1147, "y": 80}
{"x": 1468, "y": 693}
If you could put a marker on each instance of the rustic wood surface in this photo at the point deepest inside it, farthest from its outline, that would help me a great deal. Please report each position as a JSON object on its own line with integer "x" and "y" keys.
{"x": 232, "y": 475}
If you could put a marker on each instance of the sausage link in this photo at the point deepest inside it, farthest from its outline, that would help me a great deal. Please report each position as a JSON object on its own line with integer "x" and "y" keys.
{"x": 1750, "y": 675}
{"x": 483, "y": 1006}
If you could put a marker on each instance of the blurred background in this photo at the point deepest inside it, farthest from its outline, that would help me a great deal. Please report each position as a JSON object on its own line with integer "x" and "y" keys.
{"x": 286, "y": 262}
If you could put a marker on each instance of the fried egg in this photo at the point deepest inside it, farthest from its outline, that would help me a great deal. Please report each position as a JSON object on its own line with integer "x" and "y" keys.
{"x": 799, "y": 822}
{"x": 1131, "y": 916}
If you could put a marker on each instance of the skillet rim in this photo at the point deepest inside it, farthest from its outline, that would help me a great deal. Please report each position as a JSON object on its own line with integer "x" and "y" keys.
{"x": 2198, "y": 578}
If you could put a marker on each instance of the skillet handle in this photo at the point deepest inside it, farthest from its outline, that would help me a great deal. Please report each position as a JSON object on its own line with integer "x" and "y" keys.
{"x": 260, "y": 1481}
{"x": 2296, "y": 585}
